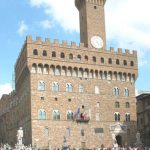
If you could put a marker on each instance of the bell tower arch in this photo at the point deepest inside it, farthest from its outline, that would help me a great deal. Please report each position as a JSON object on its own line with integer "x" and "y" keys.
{"x": 92, "y": 22}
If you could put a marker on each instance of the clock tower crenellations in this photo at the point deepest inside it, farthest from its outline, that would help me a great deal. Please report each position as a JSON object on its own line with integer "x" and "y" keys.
{"x": 92, "y": 23}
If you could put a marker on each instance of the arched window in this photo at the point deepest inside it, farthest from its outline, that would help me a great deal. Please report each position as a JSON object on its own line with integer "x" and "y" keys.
{"x": 69, "y": 87}
{"x": 94, "y": 59}
{"x": 42, "y": 114}
{"x": 102, "y": 60}
{"x": 79, "y": 58}
{"x": 53, "y": 54}
{"x": 127, "y": 117}
{"x": 69, "y": 115}
{"x": 81, "y": 88}
{"x": 110, "y": 61}
{"x": 44, "y": 53}
{"x": 57, "y": 71}
{"x": 116, "y": 91}
{"x": 132, "y": 63}
{"x": 126, "y": 92}
{"x": 117, "y": 116}
{"x": 127, "y": 105}
{"x": 70, "y": 56}
{"x": 125, "y": 63}
{"x": 117, "y": 105}
{"x": 56, "y": 115}
{"x": 45, "y": 70}
{"x": 62, "y": 55}
{"x": 41, "y": 85}
{"x": 40, "y": 68}
{"x": 35, "y": 52}
{"x": 86, "y": 58}
{"x": 34, "y": 67}
{"x": 117, "y": 61}
{"x": 55, "y": 87}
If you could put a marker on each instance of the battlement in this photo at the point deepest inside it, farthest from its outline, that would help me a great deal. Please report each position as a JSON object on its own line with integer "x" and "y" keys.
{"x": 74, "y": 45}
{"x": 78, "y": 3}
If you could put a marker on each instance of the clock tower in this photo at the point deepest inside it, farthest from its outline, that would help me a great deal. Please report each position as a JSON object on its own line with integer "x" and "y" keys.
{"x": 92, "y": 23}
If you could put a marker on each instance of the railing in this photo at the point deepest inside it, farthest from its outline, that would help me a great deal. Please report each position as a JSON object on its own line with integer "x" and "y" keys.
{"x": 85, "y": 119}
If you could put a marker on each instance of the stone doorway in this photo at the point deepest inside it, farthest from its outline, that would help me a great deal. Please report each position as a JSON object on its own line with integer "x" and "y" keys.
{"x": 119, "y": 140}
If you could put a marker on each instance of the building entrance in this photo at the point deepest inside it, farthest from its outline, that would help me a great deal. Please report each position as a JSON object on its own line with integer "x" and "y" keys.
{"x": 119, "y": 140}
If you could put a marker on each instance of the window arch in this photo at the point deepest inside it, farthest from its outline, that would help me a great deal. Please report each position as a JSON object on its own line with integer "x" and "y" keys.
{"x": 69, "y": 87}
{"x": 86, "y": 58}
{"x": 79, "y": 58}
{"x": 57, "y": 70}
{"x": 53, "y": 54}
{"x": 117, "y": 61}
{"x": 125, "y": 63}
{"x": 102, "y": 60}
{"x": 81, "y": 88}
{"x": 127, "y": 117}
{"x": 69, "y": 115}
{"x": 117, "y": 116}
{"x": 127, "y": 105}
{"x": 41, "y": 114}
{"x": 40, "y": 68}
{"x": 110, "y": 61}
{"x": 34, "y": 68}
{"x": 62, "y": 55}
{"x": 132, "y": 63}
{"x": 44, "y": 53}
{"x": 35, "y": 52}
{"x": 45, "y": 69}
{"x": 116, "y": 91}
{"x": 41, "y": 85}
{"x": 117, "y": 104}
{"x": 126, "y": 92}
{"x": 71, "y": 56}
{"x": 94, "y": 59}
{"x": 56, "y": 115}
{"x": 55, "y": 86}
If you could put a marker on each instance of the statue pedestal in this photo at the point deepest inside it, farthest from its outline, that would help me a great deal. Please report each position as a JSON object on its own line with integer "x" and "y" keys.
{"x": 138, "y": 144}
{"x": 17, "y": 146}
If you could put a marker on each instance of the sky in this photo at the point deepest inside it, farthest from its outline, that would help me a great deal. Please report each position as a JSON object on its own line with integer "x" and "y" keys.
{"x": 127, "y": 27}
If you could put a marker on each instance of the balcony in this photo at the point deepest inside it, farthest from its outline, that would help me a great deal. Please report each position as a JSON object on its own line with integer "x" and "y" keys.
{"x": 83, "y": 119}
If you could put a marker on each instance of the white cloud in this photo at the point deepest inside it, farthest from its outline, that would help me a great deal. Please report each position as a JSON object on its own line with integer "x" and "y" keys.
{"x": 62, "y": 11}
{"x": 22, "y": 28}
{"x": 5, "y": 89}
{"x": 127, "y": 22}
{"x": 46, "y": 24}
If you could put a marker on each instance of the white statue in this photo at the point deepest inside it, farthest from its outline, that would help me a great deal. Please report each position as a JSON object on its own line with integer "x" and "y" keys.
{"x": 138, "y": 136}
{"x": 114, "y": 138}
{"x": 19, "y": 136}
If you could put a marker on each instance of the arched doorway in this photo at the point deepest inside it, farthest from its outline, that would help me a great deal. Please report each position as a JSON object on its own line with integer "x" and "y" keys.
{"x": 119, "y": 140}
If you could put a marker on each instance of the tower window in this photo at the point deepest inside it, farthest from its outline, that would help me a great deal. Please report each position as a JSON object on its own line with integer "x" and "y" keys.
{"x": 62, "y": 55}
{"x": 132, "y": 63}
{"x": 53, "y": 54}
{"x": 110, "y": 61}
{"x": 44, "y": 53}
{"x": 94, "y": 59}
{"x": 35, "y": 52}
{"x": 95, "y": 7}
{"x": 102, "y": 60}
{"x": 117, "y": 62}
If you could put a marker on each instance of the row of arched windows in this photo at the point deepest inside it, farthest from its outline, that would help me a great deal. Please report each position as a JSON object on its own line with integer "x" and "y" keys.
{"x": 69, "y": 88}
{"x": 85, "y": 58}
{"x": 70, "y": 115}
{"x": 117, "y": 105}
{"x": 82, "y": 73}
{"x": 117, "y": 116}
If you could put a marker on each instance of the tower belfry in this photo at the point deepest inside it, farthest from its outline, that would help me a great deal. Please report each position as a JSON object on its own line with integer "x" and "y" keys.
{"x": 92, "y": 23}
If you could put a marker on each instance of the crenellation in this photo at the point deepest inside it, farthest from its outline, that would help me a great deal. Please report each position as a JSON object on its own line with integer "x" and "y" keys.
{"x": 119, "y": 51}
{"x": 38, "y": 40}
{"x": 56, "y": 42}
{"x": 47, "y": 41}
{"x": 29, "y": 39}
{"x": 64, "y": 43}
{"x": 112, "y": 50}
{"x": 127, "y": 51}
{"x": 81, "y": 45}
{"x": 73, "y": 44}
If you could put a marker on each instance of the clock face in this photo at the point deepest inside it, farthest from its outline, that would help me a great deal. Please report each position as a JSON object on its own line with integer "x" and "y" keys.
{"x": 97, "y": 42}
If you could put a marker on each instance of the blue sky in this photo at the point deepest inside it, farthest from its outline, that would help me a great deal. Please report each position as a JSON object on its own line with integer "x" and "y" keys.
{"x": 127, "y": 26}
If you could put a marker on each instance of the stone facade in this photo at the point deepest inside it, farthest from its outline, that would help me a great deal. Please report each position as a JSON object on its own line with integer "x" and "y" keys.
{"x": 143, "y": 117}
{"x": 52, "y": 79}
